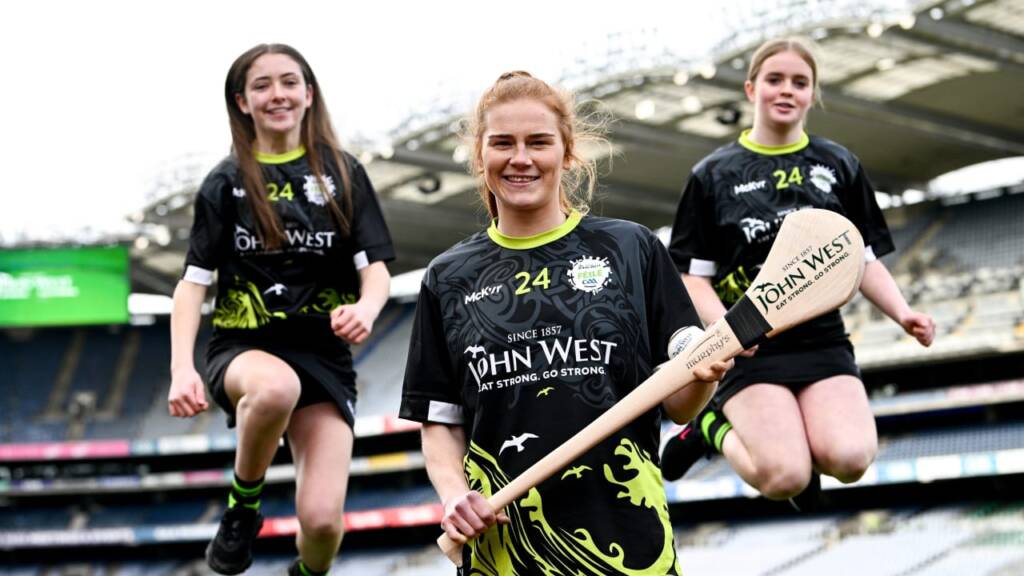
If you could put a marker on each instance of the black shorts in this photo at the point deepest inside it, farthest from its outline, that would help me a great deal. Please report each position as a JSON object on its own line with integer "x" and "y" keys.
{"x": 322, "y": 377}
{"x": 794, "y": 370}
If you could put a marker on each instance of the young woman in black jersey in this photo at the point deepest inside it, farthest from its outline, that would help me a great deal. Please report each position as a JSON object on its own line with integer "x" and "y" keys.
{"x": 530, "y": 329}
{"x": 292, "y": 227}
{"x": 795, "y": 406}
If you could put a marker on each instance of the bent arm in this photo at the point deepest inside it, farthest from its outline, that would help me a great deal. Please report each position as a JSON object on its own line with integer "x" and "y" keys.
{"x": 685, "y": 404}
{"x": 443, "y": 449}
{"x": 185, "y": 314}
{"x": 186, "y": 397}
{"x": 705, "y": 300}
{"x": 374, "y": 285}
{"x": 879, "y": 287}
{"x": 354, "y": 322}
{"x": 467, "y": 514}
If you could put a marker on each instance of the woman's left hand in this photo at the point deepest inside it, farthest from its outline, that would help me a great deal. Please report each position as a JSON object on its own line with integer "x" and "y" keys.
{"x": 353, "y": 323}
{"x": 920, "y": 326}
{"x": 713, "y": 372}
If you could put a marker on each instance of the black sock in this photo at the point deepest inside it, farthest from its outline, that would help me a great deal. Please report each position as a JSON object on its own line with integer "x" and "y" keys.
{"x": 245, "y": 493}
{"x": 714, "y": 426}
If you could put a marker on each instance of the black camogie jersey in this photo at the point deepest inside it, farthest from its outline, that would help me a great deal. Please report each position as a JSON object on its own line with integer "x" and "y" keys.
{"x": 273, "y": 295}
{"x": 735, "y": 201}
{"x": 525, "y": 341}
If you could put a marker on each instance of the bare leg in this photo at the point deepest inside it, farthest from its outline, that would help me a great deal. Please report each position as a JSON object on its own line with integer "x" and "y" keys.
{"x": 264, "y": 390}
{"x": 840, "y": 427}
{"x": 768, "y": 445}
{"x": 321, "y": 443}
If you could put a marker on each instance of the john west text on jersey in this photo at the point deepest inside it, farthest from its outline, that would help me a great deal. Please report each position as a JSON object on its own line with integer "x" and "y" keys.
{"x": 245, "y": 241}
{"x": 575, "y": 355}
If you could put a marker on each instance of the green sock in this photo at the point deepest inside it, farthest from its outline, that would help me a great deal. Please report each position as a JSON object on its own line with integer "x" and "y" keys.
{"x": 245, "y": 493}
{"x": 309, "y": 572}
{"x": 714, "y": 426}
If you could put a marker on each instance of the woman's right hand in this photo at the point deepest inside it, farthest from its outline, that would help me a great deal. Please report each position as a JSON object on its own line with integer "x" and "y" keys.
{"x": 469, "y": 515}
{"x": 187, "y": 396}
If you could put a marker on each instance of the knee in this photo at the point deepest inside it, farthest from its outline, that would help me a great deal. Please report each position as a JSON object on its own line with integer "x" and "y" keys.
{"x": 782, "y": 482}
{"x": 848, "y": 465}
{"x": 322, "y": 526}
{"x": 271, "y": 397}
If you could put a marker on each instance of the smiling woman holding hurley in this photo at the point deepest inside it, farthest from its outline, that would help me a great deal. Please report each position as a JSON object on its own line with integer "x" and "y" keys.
{"x": 528, "y": 331}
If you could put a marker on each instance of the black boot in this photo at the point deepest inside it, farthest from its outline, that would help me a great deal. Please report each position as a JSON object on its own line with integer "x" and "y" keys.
{"x": 684, "y": 448}
{"x": 230, "y": 551}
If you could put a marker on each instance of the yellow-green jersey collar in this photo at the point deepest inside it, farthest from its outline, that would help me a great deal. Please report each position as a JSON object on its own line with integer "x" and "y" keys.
{"x": 281, "y": 158}
{"x": 749, "y": 144}
{"x": 527, "y": 242}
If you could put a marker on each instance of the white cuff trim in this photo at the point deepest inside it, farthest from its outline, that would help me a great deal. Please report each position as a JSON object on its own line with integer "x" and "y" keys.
{"x": 700, "y": 267}
{"x": 197, "y": 275}
{"x": 360, "y": 260}
{"x": 869, "y": 254}
{"x": 444, "y": 413}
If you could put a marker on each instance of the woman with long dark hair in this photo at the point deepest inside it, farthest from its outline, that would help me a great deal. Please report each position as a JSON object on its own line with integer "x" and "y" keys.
{"x": 292, "y": 227}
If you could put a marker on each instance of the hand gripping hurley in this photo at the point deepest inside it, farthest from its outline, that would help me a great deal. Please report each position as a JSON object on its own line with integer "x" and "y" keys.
{"x": 815, "y": 266}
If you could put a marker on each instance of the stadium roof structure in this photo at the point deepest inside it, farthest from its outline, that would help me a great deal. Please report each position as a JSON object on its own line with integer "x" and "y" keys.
{"x": 915, "y": 93}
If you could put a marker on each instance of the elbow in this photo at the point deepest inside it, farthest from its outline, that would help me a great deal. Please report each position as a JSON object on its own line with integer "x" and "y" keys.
{"x": 682, "y": 416}
{"x": 685, "y": 405}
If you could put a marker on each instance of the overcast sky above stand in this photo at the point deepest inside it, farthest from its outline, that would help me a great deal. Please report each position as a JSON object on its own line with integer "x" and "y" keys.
{"x": 100, "y": 95}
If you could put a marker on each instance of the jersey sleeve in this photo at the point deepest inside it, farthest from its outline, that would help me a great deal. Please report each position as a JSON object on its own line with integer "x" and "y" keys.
{"x": 208, "y": 240}
{"x": 430, "y": 392}
{"x": 862, "y": 209}
{"x": 669, "y": 307}
{"x": 370, "y": 235}
{"x": 693, "y": 242}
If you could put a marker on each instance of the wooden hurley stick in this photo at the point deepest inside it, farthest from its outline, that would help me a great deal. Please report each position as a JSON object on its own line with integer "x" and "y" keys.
{"x": 815, "y": 266}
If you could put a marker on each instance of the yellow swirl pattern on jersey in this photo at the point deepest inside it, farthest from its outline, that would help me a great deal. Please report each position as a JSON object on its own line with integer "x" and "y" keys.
{"x": 243, "y": 308}
{"x": 731, "y": 288}
{"x": 328, "y": 299}
{"x": 530, "y": 544}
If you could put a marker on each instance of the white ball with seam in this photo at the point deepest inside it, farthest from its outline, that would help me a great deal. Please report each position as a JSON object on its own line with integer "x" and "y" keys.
{"x": 683, "y": 338}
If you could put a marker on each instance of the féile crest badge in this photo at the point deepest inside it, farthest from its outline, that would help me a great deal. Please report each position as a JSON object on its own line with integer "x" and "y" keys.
{"x": 312, "y": 189}
{"x": 589, "y": 274}
{"x": 823, "y": 178}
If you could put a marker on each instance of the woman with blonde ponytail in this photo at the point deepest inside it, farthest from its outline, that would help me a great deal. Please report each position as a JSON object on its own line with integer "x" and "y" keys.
{"x": 529, "y": 330}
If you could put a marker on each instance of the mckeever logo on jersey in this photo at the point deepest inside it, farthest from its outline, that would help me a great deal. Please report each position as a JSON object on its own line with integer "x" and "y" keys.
{"x": 481, "y": 294}
{"x": 749, "y": 187}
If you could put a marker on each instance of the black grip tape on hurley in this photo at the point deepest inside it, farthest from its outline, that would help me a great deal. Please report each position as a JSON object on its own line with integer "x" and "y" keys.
{"x": 747, "y": 323}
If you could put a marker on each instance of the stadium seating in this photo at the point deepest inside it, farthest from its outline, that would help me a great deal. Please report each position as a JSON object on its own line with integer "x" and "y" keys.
{"x": 35, "y": 517}
{"x": 969, "y": 282}
{"x": 940, "y": 541}
{"x": 982, "y": 234}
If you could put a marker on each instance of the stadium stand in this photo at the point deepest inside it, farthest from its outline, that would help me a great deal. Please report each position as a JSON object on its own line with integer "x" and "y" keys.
{"x": 97, "y": 479}
{"x": 133, "y": 492}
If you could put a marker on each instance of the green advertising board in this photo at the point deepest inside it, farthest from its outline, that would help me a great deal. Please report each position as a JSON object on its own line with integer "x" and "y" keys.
{"x": 64, "y": 286}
